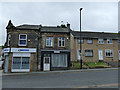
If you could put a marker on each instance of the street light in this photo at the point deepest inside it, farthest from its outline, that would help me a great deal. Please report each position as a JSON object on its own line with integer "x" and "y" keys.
{"x": 80, "y": 42}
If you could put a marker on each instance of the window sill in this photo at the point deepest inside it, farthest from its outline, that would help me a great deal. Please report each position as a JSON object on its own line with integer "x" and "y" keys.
{"x": 61, "y": 46}
{"x": 88, "y": 56}
{"x": 101, "y": 44}
{"x": 22, "y": 45}
{"x": 89, "y": 43}
{"x": 109, "y": 43}
{"x": 49, "y": 46}
{"x": 109, "y": 56}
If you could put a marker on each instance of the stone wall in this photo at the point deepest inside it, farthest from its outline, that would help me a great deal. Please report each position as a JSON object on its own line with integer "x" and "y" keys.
{"x": 55, "y": 41}
{"x": 32, "y": 40}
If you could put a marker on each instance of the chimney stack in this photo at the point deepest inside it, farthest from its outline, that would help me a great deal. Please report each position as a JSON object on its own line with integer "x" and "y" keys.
{"x": 68, "y": 26}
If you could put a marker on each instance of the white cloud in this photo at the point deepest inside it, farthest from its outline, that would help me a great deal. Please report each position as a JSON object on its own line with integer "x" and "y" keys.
{"x": 95, "y": 16}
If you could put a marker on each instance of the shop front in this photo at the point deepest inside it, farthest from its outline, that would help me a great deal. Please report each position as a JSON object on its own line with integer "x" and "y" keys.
{"x": 55, "y": 60}
{"x": 20, "y": 60}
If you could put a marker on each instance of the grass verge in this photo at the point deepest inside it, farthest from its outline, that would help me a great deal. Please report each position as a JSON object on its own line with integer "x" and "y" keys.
{"x": 76, "y": 65}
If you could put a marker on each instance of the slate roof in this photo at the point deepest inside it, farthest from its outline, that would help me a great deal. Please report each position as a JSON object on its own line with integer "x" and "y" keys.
{"x": 60, "y": 29}
{"x": 43, "y": 28}
{"x": 54, "y": 29}
{"x": 25, "y": 26}
{"x": 104, "y": 35}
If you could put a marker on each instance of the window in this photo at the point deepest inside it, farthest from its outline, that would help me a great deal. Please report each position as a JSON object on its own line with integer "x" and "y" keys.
{"x": 21, "y": 63}
{"x": 49, "y": 41}
{"x": 22, "y": 40}
{"x": 100, "y": 41}
{"x": 109, "y": 41}
{"x": 89, "y": 53}
{"x": 118, "y": 41}
{"x": 89, "y": 40}
{"x": 61, "y": 41}
{"x": 59, "y": 60}
{"x": 47, "y": 60}
{"x": 108, "y": 53}
{"x": 9, "y": 36}
{"x": 82, "y": 41}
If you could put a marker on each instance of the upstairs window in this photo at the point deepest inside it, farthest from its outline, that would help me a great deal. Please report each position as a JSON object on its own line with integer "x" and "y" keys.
{"x": 109, "y": 41}
{"x": 22, "y": 40}
{"x": 61, "y": 41}
{"x": 88, "y": 53}
{"x": 49, "y": 41}
{"x": 108, "y": 53}
{"x": 100, "y": 41}
{"x": 89, "y": 40}
{"x": 82, "y": 41}
{"x": 9, "y": 36}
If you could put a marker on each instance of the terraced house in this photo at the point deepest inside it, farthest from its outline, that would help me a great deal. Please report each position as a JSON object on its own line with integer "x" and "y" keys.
{"x": 37, "y": 47}
{"x": 96, "y": 46}
{"x": 44, "y": 48}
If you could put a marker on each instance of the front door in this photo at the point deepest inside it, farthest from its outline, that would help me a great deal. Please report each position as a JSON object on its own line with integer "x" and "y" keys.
{"x": 46, "y": 64}
{"x": 119, "y": 54}
{"x": 100, "y": 54}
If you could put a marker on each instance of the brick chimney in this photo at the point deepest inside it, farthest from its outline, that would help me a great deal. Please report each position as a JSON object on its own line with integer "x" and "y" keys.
{"x": 68, "y": 27}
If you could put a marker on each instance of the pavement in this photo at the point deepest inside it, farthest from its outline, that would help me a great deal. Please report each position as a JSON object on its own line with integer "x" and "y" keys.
{"x": 61, "y": 71}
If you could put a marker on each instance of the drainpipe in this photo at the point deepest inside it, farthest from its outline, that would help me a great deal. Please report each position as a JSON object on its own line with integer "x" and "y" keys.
{"x": 38, "y": 47}
{"x": 37, "y": 51}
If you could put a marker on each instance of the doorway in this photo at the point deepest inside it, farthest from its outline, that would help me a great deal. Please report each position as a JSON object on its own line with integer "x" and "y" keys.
{"x": 46, "y": 64}
{"x": 100, "y": 55}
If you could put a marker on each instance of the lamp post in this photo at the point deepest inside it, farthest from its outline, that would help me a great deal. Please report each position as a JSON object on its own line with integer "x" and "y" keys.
{"x": 80, "y": 42}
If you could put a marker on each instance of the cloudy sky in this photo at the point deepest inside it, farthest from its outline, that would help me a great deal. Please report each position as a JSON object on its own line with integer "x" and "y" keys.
{"x": 96, "y": 16}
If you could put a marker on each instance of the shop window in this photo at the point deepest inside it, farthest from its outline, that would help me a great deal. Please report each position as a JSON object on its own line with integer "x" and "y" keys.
{"x": 59, "y": 60}
{"x": 61, "y": 41}
{"x": 22, "y": 40}
{"x": 89, "y": 53}
{"x": 108, "y": 53}
{"x": 21, "y": 63}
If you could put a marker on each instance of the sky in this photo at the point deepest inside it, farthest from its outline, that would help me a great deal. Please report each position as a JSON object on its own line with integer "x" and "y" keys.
{"x": 96, "y": 16}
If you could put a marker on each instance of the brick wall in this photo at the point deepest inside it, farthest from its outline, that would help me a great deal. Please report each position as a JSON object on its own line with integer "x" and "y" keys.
{"x": 95, "y": 47}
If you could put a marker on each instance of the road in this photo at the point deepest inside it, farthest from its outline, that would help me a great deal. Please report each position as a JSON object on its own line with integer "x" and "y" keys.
{"x": 90, "y": 79}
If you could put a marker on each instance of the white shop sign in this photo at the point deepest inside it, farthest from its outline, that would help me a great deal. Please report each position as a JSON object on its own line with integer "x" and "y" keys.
{"x": 6, "y": 49}
{"x": 20, "y": 50}
{"x": 56, "y": 51}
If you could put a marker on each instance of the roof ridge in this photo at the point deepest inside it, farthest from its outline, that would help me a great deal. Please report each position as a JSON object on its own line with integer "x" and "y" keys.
{"x": 96, "y": 32}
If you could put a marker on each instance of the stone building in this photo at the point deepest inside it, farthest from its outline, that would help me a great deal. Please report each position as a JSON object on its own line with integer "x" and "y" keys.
{"x": 55, "y": 47}
{"x": 96, "y": 46}
{"x": 37, "y": 47}
{"x": 44, "y": 48}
